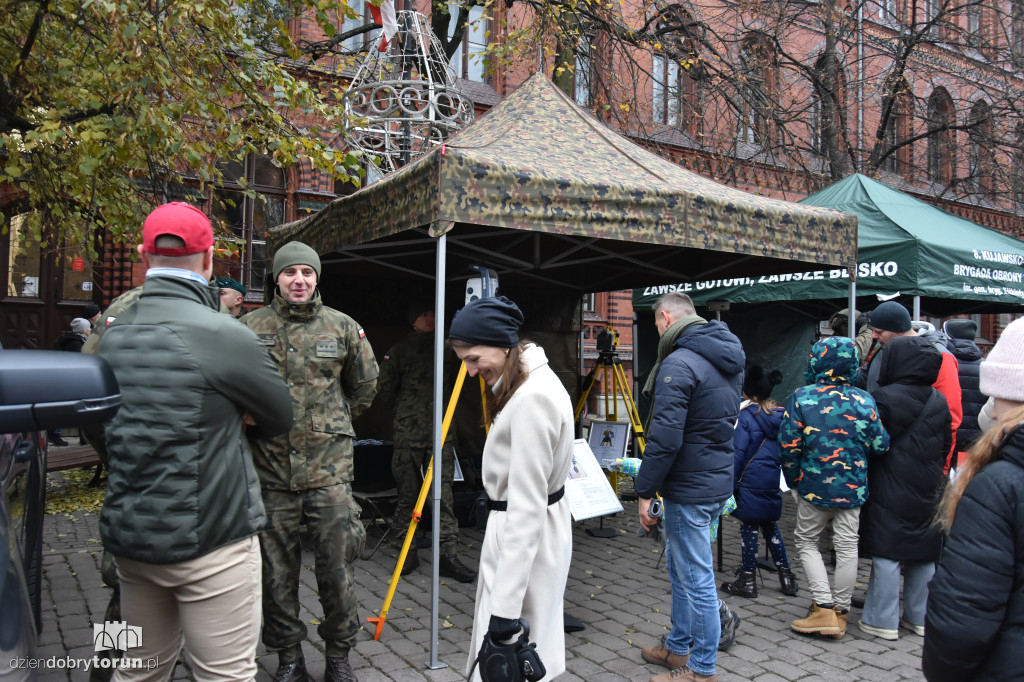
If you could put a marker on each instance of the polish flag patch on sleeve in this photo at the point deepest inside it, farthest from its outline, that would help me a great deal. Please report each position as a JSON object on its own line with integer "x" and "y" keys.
{"x": 362, "y": 334}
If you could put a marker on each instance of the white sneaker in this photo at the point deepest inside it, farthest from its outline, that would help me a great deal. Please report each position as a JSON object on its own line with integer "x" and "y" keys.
{"x": 916, "y": 629}
{"x": 883, "y": 633}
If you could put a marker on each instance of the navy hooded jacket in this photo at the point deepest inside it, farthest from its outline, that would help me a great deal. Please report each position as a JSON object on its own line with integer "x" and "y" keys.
{"x": 757, "y": 467}
{"x": 689, "y": 454}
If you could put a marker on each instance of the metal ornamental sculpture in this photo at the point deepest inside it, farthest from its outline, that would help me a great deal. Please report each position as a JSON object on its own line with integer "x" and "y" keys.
{"x": 405, "y": 98}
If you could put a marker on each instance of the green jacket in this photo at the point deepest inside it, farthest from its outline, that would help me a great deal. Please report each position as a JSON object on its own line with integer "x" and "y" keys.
{"x": 325, "y": 359}
{"x": 182, "y": 481}
{"x": 407, "y": 390}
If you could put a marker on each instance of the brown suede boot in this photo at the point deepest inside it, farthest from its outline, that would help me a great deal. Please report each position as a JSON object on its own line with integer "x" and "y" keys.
{"x": 659, "y": 655}
{"x": 819, "y": 621}
{"x": 841, "y": 617}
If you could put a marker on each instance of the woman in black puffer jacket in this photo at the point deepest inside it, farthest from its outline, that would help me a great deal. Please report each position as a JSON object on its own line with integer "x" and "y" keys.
{"x": 904, "y": 487}
{"x": 975, "y": 628}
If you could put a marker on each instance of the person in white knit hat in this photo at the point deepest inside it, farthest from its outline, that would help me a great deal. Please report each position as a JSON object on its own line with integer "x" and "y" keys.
{"x": 1001, "y": 375}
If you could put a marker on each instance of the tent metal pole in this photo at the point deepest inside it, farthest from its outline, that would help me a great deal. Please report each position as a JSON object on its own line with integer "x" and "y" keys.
{"x": 917, "y": 307}
{"x": 439, "y": 318}
{"x": 851, "y": 310}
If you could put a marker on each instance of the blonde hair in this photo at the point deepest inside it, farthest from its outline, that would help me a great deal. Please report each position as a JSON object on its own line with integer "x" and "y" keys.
{"x": 984, "y": 452}
{"x": 765, "y": 405}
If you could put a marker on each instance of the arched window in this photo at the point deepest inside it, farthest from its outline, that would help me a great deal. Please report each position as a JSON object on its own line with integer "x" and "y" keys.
{"x": 674, "y": 90}
{"x": 757, "y": 90}
{"x": 247, "y": 216}
{"x": 980, "y": 134}
{"x": 941, "y": 145}
{"x": 899, "y": 128}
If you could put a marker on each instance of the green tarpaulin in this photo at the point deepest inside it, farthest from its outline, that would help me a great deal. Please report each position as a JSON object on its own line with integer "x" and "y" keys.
{"x": 905, "y": 246}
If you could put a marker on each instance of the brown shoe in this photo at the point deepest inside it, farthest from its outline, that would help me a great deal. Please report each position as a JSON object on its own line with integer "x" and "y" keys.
{"x": 659, "y": 655}
{"x": 819, "y": 621}
{"x": 683, "y": 674}
{"x": 841, "y": 617}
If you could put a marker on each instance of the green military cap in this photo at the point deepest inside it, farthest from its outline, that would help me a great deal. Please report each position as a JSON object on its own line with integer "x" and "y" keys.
{"x": 230, "y": 283}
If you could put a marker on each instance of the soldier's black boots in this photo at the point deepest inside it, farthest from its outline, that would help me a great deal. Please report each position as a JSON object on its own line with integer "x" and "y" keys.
{"x": 290, "y": 669}
{"x": 451, "y": 567}
{"x": 339, "y": 670}
{"x": 745, "y": 585}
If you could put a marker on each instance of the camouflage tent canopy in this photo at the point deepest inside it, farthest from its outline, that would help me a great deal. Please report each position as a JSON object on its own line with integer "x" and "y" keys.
{"x": 547, "y": 195}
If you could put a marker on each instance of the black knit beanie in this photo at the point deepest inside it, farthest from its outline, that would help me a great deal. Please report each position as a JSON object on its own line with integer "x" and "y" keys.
{"x": 492, "y": 321}
{"x": 891, "y": 317}
{"x": 758, "y": 383}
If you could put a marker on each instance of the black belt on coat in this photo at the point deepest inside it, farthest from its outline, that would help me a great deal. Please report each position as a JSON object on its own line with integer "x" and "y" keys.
{"x": 502, "y": 505}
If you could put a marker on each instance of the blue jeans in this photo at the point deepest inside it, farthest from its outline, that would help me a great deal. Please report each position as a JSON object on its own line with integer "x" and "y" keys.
{"x": 696, "y": 626}
{"x": 882, "y": 602}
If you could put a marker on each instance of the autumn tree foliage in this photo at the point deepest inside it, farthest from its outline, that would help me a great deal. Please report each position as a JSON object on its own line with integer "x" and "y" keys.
{"x": 107, "y": 106}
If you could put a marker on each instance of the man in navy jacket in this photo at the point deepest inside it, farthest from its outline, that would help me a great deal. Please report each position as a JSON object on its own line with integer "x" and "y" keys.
{"x": 695, "y": 392}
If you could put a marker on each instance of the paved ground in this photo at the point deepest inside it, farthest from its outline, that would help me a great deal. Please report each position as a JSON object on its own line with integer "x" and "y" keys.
{"x": 617, "y": 588}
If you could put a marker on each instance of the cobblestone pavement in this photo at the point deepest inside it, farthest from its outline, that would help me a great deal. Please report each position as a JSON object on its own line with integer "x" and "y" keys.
{"x": 617, "y": 588}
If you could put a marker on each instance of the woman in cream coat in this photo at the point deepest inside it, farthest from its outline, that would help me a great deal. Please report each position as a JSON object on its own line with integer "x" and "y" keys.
{"x": 524, "y": 561}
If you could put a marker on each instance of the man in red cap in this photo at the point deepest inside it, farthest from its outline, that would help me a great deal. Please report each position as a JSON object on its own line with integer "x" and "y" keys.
{"x": 183, "y": 509}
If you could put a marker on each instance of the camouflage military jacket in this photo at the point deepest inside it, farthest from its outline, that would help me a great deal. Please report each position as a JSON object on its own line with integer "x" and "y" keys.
{"x": 324, "y": 357}
{"x": 407, "y": 389}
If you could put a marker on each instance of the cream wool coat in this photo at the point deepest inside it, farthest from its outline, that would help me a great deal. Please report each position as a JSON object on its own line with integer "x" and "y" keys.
{"x": 524, "y": 561}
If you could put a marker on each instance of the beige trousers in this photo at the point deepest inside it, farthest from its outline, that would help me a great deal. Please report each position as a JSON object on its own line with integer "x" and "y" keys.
{"x": 211, "y": 603}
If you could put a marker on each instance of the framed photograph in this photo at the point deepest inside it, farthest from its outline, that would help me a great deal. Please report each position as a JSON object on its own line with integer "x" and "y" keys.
{"x": 608, "y": 440}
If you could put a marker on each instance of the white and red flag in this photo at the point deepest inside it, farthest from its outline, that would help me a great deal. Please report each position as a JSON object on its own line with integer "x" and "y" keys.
{"x": 384, "y": 15}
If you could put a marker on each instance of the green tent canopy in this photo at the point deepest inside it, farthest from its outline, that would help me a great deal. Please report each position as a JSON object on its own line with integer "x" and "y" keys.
{"x": 905, "y": 246}
{"x": 546, "y": 195}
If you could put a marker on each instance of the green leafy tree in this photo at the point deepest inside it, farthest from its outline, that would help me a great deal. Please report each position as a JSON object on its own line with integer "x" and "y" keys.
{"x": 109, "y": 106}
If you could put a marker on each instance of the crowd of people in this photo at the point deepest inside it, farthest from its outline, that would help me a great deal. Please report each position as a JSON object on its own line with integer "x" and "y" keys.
{"x": 868, "y": 446}
{"x": 233, "y": 435}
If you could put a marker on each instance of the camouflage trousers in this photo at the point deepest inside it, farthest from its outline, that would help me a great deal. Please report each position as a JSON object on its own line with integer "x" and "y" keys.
{"x": 331, "y": 518}
{"x": 406, "y": 464}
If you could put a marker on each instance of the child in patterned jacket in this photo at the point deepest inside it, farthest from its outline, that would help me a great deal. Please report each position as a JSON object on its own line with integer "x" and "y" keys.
{"x": 828, "y": 431}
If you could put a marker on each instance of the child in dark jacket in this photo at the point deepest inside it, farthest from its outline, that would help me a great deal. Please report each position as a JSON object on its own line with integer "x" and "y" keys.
{"x": 757, "y": 471}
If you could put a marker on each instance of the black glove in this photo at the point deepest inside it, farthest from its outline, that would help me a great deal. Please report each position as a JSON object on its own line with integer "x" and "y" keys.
{"x": 503, "y": 629}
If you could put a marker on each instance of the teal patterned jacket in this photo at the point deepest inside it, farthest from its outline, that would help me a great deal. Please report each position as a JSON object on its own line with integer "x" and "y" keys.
{"x": 830, "y": 428}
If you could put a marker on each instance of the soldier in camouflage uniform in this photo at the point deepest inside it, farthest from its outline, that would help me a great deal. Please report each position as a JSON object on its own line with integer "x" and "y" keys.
{"x": 406, "y": 390}
{"x": 306, "y": 474}
{"x": 828, "y": 431}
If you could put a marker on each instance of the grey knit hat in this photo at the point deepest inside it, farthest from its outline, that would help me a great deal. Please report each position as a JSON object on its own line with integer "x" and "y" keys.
{"x": 79, "y": 325}
{"x": 295, "y": 253}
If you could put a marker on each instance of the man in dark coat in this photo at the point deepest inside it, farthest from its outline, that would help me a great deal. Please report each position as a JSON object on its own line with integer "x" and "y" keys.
{"x": 904, "y": 485}
{"x": 960, "y": 335}
{"x": 695, "y": 393}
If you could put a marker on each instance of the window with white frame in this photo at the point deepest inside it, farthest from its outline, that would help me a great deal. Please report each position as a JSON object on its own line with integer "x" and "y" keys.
{"x": 359, "y": 43}
{"x": 470, "y": 58}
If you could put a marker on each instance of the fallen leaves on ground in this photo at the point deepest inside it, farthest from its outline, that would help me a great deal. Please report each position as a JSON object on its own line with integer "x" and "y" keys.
{"x": 69, "y": 491}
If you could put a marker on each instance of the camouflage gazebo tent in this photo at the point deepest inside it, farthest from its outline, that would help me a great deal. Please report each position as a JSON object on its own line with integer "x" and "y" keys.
{"x": 545, "y": 194}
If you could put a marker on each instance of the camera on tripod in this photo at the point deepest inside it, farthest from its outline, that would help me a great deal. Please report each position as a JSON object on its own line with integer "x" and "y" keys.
{"x": 607, "y": 339}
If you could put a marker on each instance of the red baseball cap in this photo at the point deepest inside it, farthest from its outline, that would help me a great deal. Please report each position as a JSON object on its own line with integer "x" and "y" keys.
{"x": 181, "y": 220}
